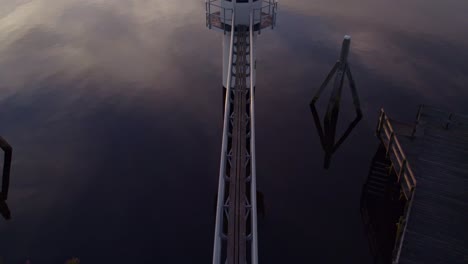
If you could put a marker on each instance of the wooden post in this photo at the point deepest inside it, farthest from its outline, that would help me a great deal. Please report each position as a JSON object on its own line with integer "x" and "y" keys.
{"x": 390, "y": 169}
{"x": 380, "y": 124}
{"x": 449, "y": 121}
{"x": 419, "y": 113}
{"x": 345, "y": 49}
{"x": 390, "y": 143}
{"x": 402, "y": 170}
{"x": 418, "y": 116}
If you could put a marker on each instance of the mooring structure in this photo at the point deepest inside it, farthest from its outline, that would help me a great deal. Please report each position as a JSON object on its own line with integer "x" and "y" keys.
{"x": 341, "y": 71}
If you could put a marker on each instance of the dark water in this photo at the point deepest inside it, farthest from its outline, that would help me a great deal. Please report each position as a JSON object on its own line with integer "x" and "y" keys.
{"x": 113, "y": 111}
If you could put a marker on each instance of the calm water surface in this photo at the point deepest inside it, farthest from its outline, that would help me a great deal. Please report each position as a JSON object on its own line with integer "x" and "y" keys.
{"x": 113, "y": 110}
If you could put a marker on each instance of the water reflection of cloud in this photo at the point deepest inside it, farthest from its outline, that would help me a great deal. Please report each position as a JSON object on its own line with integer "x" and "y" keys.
{"x": 412, "y": 59}
{"x": 105, "y": 170}
{"x": 446, "y": 19}
{"x": 84, "y": 85}
{"x": 77, "y": 77}
{"x": 134, "y": 42}
{"x": 416, "y": 62}
{"x": 131, "y": 42}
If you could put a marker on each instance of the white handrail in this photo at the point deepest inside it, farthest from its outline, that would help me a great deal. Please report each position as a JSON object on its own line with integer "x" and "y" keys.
{"x": 253, "y": 182}
{"x": 222, "y": 167}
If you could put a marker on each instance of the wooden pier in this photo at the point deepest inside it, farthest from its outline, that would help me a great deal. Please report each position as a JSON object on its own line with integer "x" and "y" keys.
{"x": 427, "y": 161}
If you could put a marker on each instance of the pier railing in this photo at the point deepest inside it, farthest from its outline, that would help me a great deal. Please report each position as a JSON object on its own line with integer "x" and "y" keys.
{"x": 441, "y": 118}
{"x": 405, "y": 175}
{"x": 396, "y": 155}
{"x": 401, "y": 231}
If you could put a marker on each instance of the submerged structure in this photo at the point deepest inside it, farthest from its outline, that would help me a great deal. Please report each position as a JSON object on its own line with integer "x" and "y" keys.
{"x": 241, "y": 21}
{"x": 415, "y": 201}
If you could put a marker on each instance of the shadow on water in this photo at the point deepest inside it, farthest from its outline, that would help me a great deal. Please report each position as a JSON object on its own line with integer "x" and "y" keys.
{"x": 382, "y": 206}
{"x": 327, "y": 133}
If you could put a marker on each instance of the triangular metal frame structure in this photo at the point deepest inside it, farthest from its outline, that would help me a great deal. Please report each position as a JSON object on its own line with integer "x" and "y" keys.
{"x": 327, "y": 134}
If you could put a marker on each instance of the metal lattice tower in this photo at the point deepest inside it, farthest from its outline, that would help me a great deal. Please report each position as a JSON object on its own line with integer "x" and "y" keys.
{"x": 235, "y": 239}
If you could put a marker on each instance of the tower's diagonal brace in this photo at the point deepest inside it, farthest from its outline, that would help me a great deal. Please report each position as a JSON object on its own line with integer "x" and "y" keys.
{"x": 325, "y": 83}
{"x": 318, "y": 123}
{"x": 354, "y": 93}
{"x": 346, "y": 133}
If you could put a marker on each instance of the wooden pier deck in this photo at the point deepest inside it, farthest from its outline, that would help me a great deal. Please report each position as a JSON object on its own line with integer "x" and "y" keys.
{"x": 430, "y": 158}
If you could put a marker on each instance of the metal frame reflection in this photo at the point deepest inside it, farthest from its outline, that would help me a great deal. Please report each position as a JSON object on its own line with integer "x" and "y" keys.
{"x": 7, "y": 149}
{"x": 328, "y": 134}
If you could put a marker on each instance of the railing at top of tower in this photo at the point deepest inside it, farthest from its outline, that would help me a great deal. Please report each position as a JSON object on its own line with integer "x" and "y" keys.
{"x": 220, "y": 16}
{"x": 265, "y": 16}
{"x": 217, "y": 15}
